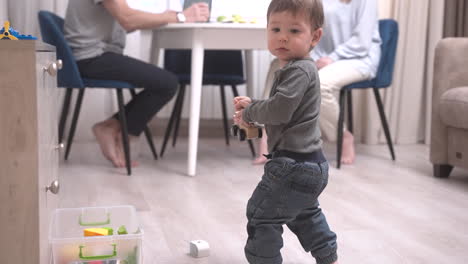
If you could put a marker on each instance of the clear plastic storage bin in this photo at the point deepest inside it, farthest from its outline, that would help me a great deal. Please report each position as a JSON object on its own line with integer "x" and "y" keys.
{"x": 70, "y": 246}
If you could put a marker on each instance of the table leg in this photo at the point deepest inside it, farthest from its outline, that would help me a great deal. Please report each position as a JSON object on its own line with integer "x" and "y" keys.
{"x": 249, "y": 64}
{"x": 155, "y": 52}
{"x": 195, "y": 99}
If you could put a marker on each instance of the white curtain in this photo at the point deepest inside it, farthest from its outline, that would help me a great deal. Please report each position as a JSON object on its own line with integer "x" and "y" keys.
{"x": 421, "y": 23}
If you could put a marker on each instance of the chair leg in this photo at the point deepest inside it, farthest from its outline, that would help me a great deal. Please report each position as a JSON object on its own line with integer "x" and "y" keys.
{"x": 225, "y": 121}
{"x": 350, "y": 111}
{"x": 149, "y": 138}
{"x": 442, "y": 170}
{"x": 123, "y": 125}
{"x": 178, "y": 115}
{"x": 383, "y": 119}
{"x": 76, "y": 114}
{"x": 179, "y": 99}
{"x": 234, "y": 91}
{"x": 252, "y": 148}
{"x": 64, "y": 114}
{"x": 339, "y": 143}
{"x": 251, "y": 145}
{"x": 148, "y": 135}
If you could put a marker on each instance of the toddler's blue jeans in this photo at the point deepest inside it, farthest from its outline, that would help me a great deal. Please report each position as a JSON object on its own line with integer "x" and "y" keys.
{"x": 287, "y": 194}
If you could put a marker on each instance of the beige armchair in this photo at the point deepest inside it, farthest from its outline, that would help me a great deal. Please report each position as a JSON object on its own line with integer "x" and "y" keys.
{"x": 449, "y": 131}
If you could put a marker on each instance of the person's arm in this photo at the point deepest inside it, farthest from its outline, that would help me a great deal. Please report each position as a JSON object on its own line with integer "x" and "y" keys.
{"x": 279, "y": 108}
{"x": 359, "y": 44}
{"x": 131, "y": 19}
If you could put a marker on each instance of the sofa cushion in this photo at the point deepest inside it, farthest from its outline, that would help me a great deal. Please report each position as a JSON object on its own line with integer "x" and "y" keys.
{"x": 454, "y": 107}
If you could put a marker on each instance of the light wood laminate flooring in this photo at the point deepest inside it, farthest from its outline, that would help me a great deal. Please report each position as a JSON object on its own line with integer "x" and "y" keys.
{"x": 382, "y": 211}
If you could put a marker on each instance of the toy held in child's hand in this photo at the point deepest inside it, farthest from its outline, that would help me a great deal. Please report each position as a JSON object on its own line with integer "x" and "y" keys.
{"x": 8, "y": 32}
{"x": 246, "y": 132}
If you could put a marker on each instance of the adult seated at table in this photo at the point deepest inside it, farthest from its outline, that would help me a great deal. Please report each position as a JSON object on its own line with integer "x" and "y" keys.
{"x": 96, "y": 31}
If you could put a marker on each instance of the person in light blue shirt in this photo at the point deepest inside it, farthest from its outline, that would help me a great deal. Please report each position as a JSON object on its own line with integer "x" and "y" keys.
{"x": 348, "y": 52}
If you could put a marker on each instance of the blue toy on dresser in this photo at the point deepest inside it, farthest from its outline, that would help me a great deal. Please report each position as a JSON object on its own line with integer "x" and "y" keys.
{"x": 8, "y": 32}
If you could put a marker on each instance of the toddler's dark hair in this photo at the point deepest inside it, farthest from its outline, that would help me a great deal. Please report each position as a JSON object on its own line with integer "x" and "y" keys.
{"x": 312, "y": 9}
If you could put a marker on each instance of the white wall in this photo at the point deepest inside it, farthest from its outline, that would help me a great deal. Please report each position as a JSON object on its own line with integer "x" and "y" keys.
{"x": 245, "y": 8}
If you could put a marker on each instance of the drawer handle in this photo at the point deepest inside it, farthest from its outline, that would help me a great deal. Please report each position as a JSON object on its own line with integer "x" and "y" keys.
{"x": 52, "y": 69}
{"x": 59, "y": 64}
{"x": 54, "y": 187}
{"x": 114, "y": 253}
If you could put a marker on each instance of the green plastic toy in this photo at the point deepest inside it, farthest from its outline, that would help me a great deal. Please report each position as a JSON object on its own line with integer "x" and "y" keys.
{"x": 122, "y": 230}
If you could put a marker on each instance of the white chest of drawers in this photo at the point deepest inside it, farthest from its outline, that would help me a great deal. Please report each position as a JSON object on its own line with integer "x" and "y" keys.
{"x": 28, "y": 150}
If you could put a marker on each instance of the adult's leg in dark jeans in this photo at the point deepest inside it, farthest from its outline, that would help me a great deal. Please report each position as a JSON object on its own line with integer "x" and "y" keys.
{"x": 312, "y": 229}
{"x": 159, "y": 86}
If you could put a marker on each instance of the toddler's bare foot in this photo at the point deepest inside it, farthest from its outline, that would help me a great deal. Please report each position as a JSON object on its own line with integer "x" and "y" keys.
{"x": 259, "y": 160}
{"x": 348, "y": 154}
{"x": 106, "y": 133}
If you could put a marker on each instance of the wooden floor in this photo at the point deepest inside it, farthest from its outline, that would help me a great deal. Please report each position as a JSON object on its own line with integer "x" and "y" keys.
{"x": 382, "y": 211}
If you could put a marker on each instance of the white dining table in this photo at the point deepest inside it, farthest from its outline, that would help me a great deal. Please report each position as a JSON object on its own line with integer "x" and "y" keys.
{"x": 207, "y": 36}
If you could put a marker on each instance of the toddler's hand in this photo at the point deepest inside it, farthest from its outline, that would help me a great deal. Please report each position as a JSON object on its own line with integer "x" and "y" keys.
{"x": 237, "y": 117}
{"x": 240, "y": 102}
{"x": 238, "y": 120}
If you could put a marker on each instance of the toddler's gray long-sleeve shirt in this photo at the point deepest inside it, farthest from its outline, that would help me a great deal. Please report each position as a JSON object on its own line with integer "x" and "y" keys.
{"x": 291, "y": 113}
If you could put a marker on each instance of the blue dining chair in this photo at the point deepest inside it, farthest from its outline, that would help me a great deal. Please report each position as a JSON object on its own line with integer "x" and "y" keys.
{"x": 69, "y": 77}
{"x": 221, "y": 67}
{"x": 388, "y": 29}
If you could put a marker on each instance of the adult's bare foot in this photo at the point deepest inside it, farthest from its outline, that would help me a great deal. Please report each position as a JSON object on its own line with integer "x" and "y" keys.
{"x": 121, "y": 153}
{"x": 106, "y": 133}
{"x": 348, "y": 154}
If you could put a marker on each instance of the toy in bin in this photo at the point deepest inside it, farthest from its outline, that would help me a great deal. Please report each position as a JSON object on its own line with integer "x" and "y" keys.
{"x": 8, "y": 32}
{"x": 104, "y": 231}
{"x": 247, "y": 132}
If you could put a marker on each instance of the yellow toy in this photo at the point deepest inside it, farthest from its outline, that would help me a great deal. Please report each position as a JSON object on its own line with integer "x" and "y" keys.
{"x": 6, "y": 32}
{"x": 104, "y": 231}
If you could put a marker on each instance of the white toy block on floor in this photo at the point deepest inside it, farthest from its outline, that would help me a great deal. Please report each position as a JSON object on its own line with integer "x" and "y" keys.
{"x": 199, "y": 248}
